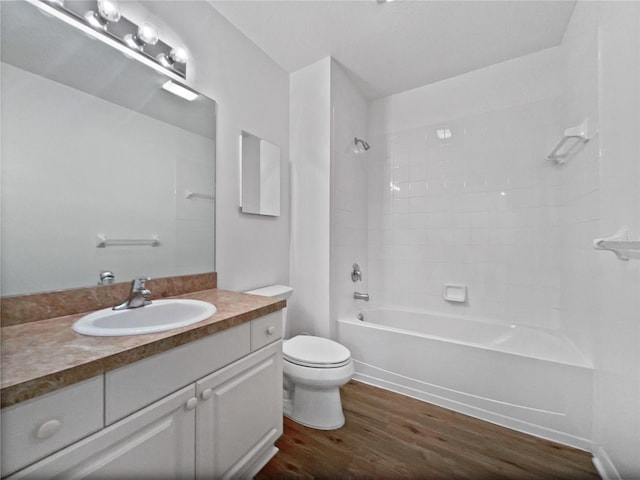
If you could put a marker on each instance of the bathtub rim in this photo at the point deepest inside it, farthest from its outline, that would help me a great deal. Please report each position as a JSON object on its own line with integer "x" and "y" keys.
{"x": 586, "y": 363}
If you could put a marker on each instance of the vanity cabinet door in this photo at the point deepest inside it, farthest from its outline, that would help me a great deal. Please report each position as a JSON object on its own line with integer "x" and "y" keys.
{"x": 156, "y": 442}
{"x": 33, "y": 429}
{"x": 239, "y": 415}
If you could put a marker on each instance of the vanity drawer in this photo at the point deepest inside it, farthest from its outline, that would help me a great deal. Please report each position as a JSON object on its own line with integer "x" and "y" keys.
{"x": 139, "y": 384}
{"x": 36, "y": 428}
{"x": 265, "y": 330}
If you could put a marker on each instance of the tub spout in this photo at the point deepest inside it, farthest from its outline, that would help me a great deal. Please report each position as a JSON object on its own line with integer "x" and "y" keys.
{"x": 361, "y": 296}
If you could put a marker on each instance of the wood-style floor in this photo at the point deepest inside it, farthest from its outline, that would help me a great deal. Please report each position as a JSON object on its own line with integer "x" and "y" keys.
{"x": 390, "y": 436}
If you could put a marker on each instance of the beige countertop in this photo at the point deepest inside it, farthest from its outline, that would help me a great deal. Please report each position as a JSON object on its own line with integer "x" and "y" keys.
{"x": 42, "y": 356}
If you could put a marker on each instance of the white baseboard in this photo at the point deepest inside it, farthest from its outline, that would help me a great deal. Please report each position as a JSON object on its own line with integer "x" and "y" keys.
{"x": 604, "y": 465}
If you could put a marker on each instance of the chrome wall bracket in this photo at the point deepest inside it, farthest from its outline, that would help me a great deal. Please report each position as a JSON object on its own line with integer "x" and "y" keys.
{"x": 356, "y": 274}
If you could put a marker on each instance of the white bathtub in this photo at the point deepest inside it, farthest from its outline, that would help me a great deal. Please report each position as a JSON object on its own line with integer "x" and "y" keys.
{"x": 527, "y": 379}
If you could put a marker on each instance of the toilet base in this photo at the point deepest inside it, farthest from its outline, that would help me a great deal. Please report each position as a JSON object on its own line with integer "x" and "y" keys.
{"x": 321, "y": 409}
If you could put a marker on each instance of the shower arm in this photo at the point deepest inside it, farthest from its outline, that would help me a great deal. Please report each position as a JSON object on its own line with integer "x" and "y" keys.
{"x": 364, "y": 144}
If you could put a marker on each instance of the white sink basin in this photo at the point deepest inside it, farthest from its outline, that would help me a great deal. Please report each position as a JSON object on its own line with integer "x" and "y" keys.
{"x": 161, "y": 315}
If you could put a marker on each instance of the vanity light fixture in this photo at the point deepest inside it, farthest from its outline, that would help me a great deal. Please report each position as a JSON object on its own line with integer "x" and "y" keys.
{"x": 140, "y": 42}
{"x": 147, "y": 35}
{"x": 108, "y": 12}
{"x": 180, "y": 90}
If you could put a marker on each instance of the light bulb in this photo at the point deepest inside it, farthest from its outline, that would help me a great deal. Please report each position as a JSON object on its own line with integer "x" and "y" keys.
{"x": 147, "y": 33}
{"x": 176, "y": 55}
{"x": 179, "y": 54}
{"x": 109, "y": 10}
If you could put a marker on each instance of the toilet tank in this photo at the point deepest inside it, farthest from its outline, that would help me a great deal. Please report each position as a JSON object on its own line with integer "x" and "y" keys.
{"x": 281, "y": 292}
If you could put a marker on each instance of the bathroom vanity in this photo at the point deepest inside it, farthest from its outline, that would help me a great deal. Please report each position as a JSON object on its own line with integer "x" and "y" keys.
{"x": 209, "y": 405}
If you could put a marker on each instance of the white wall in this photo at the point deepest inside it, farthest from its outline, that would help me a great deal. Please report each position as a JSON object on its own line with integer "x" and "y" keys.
{"x": 310, "y": 134}
{"x": 348, "y": 195}
{"x": 329, "y": 219}
{"x": 476, "y": 207}
{"x": 601, "y": 294}
{"x": 252, "y": 93}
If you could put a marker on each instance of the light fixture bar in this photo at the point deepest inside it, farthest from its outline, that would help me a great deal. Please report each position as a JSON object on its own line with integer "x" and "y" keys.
{"x": 175, "y": 71}
{"x": 180, "y": 90}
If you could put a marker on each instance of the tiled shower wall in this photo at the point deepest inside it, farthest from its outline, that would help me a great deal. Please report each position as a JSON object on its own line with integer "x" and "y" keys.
{"x": 460, "y": 192}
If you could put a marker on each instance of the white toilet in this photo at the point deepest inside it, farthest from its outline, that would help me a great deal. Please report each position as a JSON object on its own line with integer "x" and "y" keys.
{"x": 314, "y": 370}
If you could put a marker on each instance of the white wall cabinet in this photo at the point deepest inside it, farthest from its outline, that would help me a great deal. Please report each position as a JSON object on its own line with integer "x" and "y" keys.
{"x": 221, "y": 425}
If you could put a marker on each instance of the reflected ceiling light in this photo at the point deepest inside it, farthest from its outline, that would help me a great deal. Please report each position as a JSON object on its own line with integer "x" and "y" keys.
{"x": 56, "y": 3}
{"x": 108, "y": 12}
{"x": 180, "y": 90}
{"x": 444, "y": 133}
{"x": 147, "y": 35}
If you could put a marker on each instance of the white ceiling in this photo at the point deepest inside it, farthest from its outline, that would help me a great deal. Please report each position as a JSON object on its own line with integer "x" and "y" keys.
{"x": 391, "y": 47}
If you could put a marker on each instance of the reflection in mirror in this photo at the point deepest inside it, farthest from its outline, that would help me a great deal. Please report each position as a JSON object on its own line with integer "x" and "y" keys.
{"x": 92, "y": 149}
{"x": 260, "y": 174}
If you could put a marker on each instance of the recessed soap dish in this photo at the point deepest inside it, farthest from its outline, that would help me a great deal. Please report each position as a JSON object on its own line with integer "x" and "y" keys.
{"x": 455, "y": 292}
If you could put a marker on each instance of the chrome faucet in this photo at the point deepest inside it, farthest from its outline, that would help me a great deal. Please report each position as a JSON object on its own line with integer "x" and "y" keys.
{"x": 361, "y": 296}
{"x": 137, "y": 296}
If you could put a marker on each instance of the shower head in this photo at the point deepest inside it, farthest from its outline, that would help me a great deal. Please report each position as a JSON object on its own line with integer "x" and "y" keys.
{"x": 360, "y": 146}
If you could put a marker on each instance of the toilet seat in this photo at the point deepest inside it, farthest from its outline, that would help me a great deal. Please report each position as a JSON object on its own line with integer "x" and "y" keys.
{"x": 315, "y": 352}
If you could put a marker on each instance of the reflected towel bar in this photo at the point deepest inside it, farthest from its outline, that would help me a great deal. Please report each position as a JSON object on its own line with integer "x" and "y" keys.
{"x": 190, "y": 194}
{"x": 104, "y": 241}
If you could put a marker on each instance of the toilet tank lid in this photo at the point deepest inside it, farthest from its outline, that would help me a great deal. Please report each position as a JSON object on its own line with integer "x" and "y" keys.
{"x": 278, "y": 291}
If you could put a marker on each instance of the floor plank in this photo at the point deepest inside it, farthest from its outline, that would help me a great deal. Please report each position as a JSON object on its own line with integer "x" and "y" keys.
{"x": 387, "y": 436}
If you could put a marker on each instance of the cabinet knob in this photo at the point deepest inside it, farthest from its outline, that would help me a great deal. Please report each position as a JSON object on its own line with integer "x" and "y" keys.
{"x": 191, "y": 403}
{"x": 206, "y": 394}
{"x": 48, "y": 429}
{"x": 270, "y": 330}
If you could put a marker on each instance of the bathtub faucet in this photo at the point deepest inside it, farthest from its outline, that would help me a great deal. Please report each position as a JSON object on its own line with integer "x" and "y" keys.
{"x": 361, "y": 296}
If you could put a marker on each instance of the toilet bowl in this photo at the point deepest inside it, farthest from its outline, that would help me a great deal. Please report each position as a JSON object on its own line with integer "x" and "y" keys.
{"x": 314, "y": 369}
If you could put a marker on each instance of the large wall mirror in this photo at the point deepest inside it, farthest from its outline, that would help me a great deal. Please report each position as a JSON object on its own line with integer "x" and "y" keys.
{"x": 260, "y": 176}
{"x": 92, "y": 148}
